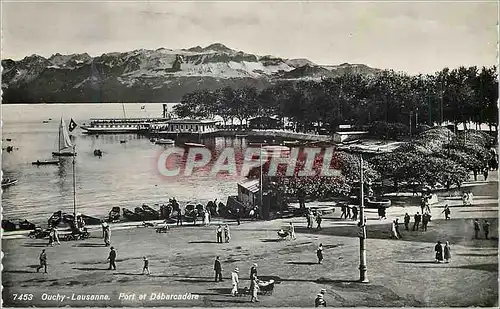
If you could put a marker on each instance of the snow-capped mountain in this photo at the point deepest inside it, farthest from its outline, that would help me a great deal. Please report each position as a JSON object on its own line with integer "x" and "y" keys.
{"x": 162, "y": 75}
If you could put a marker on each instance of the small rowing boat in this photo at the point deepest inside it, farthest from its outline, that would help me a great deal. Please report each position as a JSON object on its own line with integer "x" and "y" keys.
{"x": 8, "y": 182}
{"x": 165, "y": 142}
{"x": 45, "y": 162}
{"x": 194, "y": 145}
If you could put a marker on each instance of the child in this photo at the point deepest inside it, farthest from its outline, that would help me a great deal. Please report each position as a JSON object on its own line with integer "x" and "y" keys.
{"x": 146, "y": 266}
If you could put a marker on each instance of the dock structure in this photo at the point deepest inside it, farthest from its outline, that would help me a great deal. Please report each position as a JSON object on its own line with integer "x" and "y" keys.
{"x": 176, "y": 127}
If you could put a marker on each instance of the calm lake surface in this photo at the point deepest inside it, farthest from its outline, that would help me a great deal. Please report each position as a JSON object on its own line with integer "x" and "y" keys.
{"x": 126, "y": 175}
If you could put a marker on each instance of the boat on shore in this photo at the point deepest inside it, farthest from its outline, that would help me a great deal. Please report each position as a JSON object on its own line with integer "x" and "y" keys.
{"x": 130, "y": 215}
{"x": 164, "y": 141}
{"x": 114, "y": 214}
{"x": 151, "y": 211}
{"x": 194, "y": 145}
{"x": 8, "y": 182}
{"x": 45, "y": 162}
{"x": 145, "y": 214}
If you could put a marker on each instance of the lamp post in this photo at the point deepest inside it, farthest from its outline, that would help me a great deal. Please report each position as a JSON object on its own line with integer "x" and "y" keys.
{"x": 362, "y": 229}
{"x": 261, "y": 180}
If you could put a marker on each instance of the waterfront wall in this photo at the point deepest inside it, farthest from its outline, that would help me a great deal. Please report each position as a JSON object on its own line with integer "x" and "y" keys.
{"x": 277, "y": 133}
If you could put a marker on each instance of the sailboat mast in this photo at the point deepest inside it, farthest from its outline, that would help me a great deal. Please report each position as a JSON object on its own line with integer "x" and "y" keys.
{"x": 59, "y": 143}
{"x": 124, "y": 114}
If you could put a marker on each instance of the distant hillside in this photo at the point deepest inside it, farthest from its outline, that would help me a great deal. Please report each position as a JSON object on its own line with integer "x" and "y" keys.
{"x": 162, "y": 75}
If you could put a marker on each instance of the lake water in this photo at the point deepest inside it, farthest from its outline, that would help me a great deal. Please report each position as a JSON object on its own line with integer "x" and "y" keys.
{"x": 126, "y": 175}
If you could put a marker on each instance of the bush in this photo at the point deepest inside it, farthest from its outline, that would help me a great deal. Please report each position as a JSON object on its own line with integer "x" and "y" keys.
{"x": 389, "y": 130}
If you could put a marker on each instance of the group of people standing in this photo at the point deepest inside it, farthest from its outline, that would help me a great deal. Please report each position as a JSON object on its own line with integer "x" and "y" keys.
{"x": 225, "y": 230}
{"x": 346, "y": 212}
{"x": 486, "y": 228}
{"x": 442, "y": 252}
{"x": 235, "y": 281}
{"x": 311, "y": 217}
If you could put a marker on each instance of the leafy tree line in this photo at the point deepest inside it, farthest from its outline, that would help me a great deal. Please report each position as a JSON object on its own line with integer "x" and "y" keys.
{"x": 436, "y": 157}
{"x": 458, "y": 96}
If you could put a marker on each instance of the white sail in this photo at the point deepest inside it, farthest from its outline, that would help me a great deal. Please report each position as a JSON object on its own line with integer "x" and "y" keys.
{"x": 64, "y": 139}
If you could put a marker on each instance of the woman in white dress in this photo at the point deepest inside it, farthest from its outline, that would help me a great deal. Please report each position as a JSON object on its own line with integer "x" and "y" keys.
{"x": 206, "y": 219}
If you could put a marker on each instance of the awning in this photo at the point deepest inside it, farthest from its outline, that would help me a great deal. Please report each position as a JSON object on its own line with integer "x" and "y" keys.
{"x": 252, "y": 185}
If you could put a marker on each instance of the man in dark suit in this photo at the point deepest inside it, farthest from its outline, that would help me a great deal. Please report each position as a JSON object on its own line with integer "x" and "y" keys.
{"x": 218, "y": 270}
{"x": 253, "y": 271}
{"x": 112, "y": 258}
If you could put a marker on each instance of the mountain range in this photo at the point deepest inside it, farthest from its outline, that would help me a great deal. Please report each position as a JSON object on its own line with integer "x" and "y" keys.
{"x": 161, "y": 75}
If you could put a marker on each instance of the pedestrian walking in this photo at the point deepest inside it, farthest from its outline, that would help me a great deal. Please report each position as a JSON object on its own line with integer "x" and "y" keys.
{"x": 394, "y": 234}
{"x": 447, "y": 252}
{"x": 104, "y": 225}
{"x": 485, "y": 173}
{"x": 238, "y": 216}
{"x": 206, "y": 217}
{"x": 253, "y": 271}
{"x": 219, "y": 234}
{"x": 318, "y": 220}
{"x": 476, "y": 229}
{"x": 407, "y": 221}
{"x": 107, "y": 236}
{"x": 51, "y": 238}
{"x": 425, "y": 221}
{"x": 383, "y": 211}
{"x": 344, "y": 212}
{"x": 311, "y": 218}
{"x": 439, "y": 252}
{"x": 56, "y": 235}
{"x": 348, "y": 212}
{"x": 235, "y": 281}
{"x": 486, "y": 228}
{"x": 319, "y": 301}
{"x": 292, "y": 232}
{"x": 446, "y": 212}
{"x": 43, "y": 261}
{"x": 218, "y": 270}
{"x": 112, "y": 258}
{"x": 145, "y": 267}
{"x": 355, "y": 213}
{"x": 396, "y": 226}
{"x": 227, "y": 234}
{"x": 254, "y": 287}
{"x": 380, "y": 212}
{"x": 417, "y": 217}
{"x": 308, "y": 218}
{"x": 319, "y": 253}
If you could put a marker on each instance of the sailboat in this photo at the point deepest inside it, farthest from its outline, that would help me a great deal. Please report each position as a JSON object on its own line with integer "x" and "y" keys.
{"x": 64, "y": 142}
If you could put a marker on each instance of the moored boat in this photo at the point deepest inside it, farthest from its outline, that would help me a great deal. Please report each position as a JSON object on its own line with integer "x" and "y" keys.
{"x": 165, "y": 141}
{"x": 8, "y": 225}
{"x": 64, "y": 142}
{"x": 194, "y": 145}
{"x": 114, "y": 214}
{"x": 131, "y": 216}
{"x": 26, "y": 225}
{"x": 8, "y": 182}
{"x": 45, "y": 162}
{"x": 151, "y": 211}
{"x": 145, "y": 215}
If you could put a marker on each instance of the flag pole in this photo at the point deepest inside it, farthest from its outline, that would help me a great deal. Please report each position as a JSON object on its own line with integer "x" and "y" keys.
{"x": 362, "y": 227}
{"x": 74, "y": 187}
{"x": 261, "y": 179}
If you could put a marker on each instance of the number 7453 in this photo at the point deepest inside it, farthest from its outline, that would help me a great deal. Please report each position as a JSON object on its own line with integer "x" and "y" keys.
{"x": 22, "y": 296}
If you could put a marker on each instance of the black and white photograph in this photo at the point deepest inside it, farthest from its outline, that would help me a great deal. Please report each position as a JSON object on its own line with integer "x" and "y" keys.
{"x": 249, "y": 153}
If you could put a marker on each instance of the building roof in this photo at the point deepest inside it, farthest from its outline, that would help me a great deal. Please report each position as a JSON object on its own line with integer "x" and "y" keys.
{"x": 191, "y": 121}
{"x": 263, "y": 118}
{"x": 252, "y": 185}
{"x": 351, "y": 132}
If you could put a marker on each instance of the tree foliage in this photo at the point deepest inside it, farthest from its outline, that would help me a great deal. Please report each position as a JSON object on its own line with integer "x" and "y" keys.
{"x": 401, "y": 101}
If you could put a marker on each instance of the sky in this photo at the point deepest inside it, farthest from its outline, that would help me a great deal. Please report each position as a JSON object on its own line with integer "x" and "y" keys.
{"x": 415, "y": 37}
